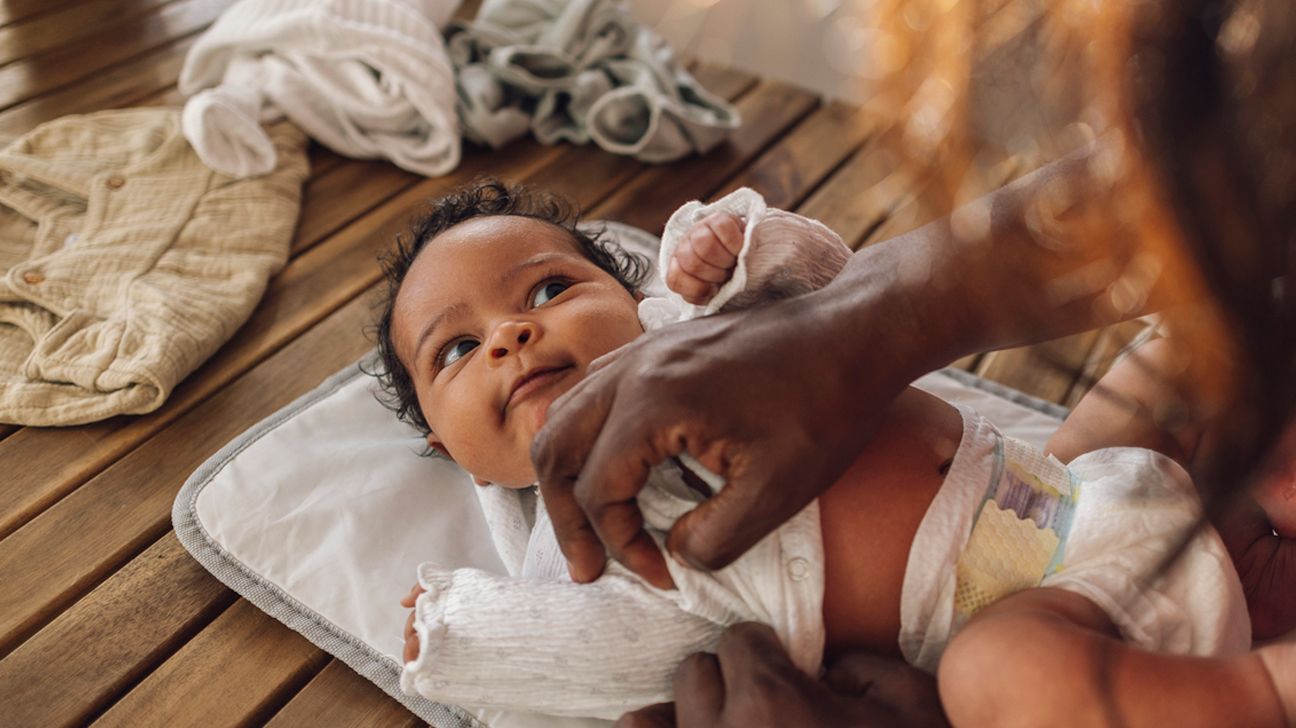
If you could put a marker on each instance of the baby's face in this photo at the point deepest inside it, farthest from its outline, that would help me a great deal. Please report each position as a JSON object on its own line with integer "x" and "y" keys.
{"x": 496, "y": 318}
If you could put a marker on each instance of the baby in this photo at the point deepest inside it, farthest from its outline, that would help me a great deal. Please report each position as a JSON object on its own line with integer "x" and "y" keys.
{"x": 499, "y": 304}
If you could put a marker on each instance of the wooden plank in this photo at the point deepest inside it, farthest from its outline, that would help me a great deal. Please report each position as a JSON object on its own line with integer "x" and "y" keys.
{"x": 34, "y": 76}
{"x": 69, "y": 24}
{"x": 116, "y": 87}
{"x": 220, "y": 678}
{"x": 1045, "y": 370}
{"x": 787, "y": 171}
{"x": 339, "y": 698}
{"x": 859, "y": 196}
{"x": 111, "y": 638}
{"x": 332, "y": 200}
{"x": 767, "y": 112}
{"x": 12, "y": 11}
{"x": 917, "y": 208}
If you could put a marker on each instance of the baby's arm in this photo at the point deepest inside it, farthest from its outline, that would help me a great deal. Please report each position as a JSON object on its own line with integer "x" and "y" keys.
{"x": 1049, "y": 657}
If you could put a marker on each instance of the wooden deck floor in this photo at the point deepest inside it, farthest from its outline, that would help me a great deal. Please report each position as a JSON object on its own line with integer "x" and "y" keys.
{"x": 104, "y": 618}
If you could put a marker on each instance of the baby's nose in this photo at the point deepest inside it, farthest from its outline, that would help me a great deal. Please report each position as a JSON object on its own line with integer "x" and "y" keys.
{"x": 511, "y": 337}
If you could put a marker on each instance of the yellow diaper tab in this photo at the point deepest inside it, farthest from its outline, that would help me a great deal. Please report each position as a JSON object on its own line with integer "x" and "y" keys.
{"x": 1019, "y": 533}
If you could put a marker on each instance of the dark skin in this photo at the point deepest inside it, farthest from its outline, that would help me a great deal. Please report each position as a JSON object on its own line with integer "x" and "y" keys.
{"x": 749, "y": 683}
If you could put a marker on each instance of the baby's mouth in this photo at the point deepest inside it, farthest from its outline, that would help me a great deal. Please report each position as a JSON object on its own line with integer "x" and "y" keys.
{"x": 534, "y": 381}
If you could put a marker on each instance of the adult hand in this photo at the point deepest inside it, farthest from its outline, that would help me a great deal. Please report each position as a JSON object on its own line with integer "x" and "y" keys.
{"x": 778, "y": 400}
{"x": 751, "y": 683}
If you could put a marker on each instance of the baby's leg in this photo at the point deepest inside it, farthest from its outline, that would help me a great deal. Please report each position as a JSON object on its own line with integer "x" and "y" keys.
{"x": 1133, "y": 405}
{"x": 1049, "y": 657}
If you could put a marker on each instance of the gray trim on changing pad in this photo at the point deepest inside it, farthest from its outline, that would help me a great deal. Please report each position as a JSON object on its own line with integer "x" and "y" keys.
{"x": 1003, "y": 391}
{"x": 266, "y": 596}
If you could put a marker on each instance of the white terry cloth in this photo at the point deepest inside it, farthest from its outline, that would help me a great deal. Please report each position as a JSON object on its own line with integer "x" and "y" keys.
{"x": 535, "y": 641}
{"x": 366, "y": 78}
{"x": 1009, "y": 518}
{"x": 783, "y": 254}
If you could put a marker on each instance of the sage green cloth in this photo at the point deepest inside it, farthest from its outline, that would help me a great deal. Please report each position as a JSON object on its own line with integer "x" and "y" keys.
{"x": 579, "y": 71}
{"x": 125, "y": 262}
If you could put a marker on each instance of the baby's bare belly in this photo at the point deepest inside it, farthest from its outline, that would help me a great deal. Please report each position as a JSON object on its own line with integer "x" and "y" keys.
{"x": 869, "y": 517}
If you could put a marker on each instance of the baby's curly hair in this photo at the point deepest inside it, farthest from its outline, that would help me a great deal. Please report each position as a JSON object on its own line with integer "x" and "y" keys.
{"x": 481, "y": 198}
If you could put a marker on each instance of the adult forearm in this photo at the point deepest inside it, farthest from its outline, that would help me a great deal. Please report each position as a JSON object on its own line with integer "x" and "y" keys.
{"x": 1018, "y": 266}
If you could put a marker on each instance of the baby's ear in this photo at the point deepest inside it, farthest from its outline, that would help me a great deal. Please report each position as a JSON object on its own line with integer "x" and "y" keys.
{"x": 638, "y": 295}
{"x": 480, "y": 481}
{"x": 439, "y": 446}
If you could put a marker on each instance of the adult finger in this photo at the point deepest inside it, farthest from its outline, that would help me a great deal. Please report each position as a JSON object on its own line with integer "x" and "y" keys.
{"x": 559, "y": 450}
{"x": 699, "y": 691}
{"x": 725, "y": 526}
{"x": 409, "y": 625}
{"x": 749, "y": 643}
{"x": 411, "y": 648}
{"x": 659, "y": 715}
{"x": 607, "y": 490}
{"x": 899, "y": 690}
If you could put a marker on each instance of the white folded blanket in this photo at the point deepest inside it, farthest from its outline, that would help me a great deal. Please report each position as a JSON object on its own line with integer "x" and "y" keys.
{"x": 366, "y": 78}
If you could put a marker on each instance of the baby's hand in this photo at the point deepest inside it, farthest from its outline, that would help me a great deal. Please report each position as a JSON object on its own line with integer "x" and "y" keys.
{"x": 411, "y": 638}
{"x": 706, "y": 257}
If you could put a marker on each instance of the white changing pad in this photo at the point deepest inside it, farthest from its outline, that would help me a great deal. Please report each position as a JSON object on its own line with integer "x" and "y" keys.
{"x": 319, "y": 515}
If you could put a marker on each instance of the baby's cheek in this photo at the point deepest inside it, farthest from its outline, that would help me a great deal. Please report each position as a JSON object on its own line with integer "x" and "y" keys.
{"x": 1277, "y": 496}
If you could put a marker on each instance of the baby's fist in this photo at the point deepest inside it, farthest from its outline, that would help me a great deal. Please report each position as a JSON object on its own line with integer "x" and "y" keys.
{"x": 705, "y": 257}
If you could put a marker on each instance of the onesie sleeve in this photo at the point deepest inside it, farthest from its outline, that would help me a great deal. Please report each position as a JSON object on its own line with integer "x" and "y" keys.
{"x": 783, "y": 254}
{"x": 549, "y": 646}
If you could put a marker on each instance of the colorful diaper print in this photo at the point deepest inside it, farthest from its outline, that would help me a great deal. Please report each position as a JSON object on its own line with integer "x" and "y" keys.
{"x": 1020, "y": 529}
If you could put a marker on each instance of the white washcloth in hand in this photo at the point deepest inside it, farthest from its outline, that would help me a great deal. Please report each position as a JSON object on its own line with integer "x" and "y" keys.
{"x": 367, "y": 78}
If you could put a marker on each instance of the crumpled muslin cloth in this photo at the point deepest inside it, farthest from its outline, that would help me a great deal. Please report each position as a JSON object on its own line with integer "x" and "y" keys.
{"x": 366, "y": 78}
{"x": 580, "y": 71}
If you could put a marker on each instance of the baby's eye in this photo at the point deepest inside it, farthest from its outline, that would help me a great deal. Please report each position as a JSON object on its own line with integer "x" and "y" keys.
{"x": 456, "y": 350}
{"x": 547, "y": 292}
